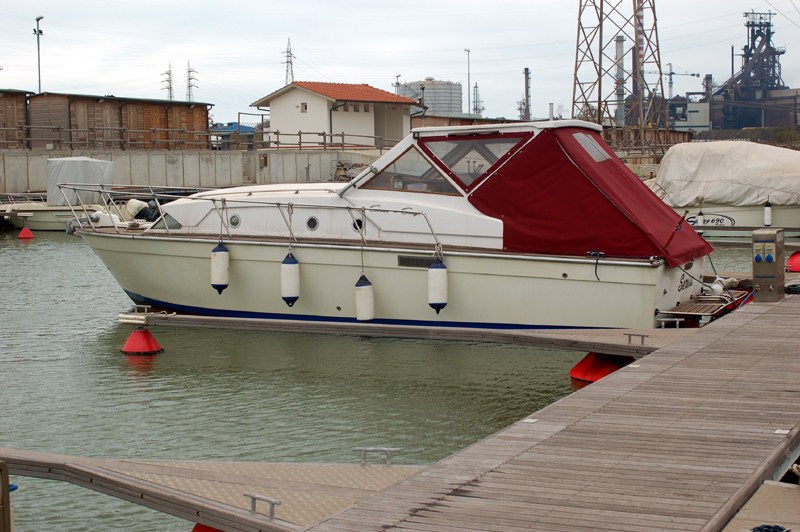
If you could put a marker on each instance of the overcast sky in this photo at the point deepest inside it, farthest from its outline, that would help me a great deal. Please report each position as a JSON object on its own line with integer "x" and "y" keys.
{"x": 237, "y": 48}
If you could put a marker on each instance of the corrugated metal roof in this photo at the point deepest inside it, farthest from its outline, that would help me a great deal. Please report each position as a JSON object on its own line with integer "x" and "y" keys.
{"x": 112, "y": 97}
{"x": 344, "y": 92}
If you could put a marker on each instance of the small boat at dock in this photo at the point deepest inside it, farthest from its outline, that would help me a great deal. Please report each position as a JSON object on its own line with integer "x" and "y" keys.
{"x": 530, "y": 225}
{"x": 728, "y": 184}
{"x": 53, "y": 211}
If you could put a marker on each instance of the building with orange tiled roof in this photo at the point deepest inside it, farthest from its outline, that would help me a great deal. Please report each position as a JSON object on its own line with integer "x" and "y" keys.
{"x": 364, "y": 114}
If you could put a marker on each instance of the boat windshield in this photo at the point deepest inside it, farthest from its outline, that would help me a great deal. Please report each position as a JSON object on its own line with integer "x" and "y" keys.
{"x": 413, "y": 173}
{"x": 470, "y": 158}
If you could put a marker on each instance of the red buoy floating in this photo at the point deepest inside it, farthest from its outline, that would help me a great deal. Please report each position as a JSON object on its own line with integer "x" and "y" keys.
{"x": 203, "y": 528}
{"x": 141, "y": 342}
{"x": 25, "y": 234}
{"x": 595, "y": 366}
{"x": 793, "y": 264}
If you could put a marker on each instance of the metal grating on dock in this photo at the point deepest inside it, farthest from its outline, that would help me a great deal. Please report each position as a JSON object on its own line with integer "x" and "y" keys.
{"x": 679, "y": 440}
{"x": 212, "y": 493}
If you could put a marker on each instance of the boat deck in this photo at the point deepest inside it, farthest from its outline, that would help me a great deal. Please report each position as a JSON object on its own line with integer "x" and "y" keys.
{"x": 679, "y": 441}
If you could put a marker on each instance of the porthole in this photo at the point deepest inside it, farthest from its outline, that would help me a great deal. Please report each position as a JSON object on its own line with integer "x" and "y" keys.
{"x": 564, "y": 275}
{"x": 358, "y": 225}
{"x": 235, "y": 220}
{"x": 312, "y": 223}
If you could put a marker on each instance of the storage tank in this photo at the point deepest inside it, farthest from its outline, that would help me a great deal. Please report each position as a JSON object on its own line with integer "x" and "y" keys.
{"x": 440, "y": 96}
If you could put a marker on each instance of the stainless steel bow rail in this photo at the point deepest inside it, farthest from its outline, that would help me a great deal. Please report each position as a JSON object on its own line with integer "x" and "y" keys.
{"x": 112, "y": 199}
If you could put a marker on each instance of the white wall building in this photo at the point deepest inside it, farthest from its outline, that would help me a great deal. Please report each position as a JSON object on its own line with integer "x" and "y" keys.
{"x": 360, "y": 112}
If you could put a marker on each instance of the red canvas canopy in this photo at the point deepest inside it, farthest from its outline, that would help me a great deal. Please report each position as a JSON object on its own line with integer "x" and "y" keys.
{"x": 566, "y": 194}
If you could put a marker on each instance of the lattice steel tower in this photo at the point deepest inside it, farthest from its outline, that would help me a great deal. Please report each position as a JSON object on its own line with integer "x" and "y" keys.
{"x": 167, "y": 81}
{"x": 289, "y": 66}
{"x": 610, "y": 84}
{"x": 190, "y": 81}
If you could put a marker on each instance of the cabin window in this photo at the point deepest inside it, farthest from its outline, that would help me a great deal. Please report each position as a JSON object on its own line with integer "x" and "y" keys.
{"x": 592, "y": 147}
{"x": 469, "y": 158}
{"x": 411, "y": 172}
{"x": 303, "y": 107}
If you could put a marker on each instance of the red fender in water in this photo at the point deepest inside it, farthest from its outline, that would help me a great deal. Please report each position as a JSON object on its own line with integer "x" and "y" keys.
{"x": 793, "y": 264}
{"x": 595, "y": 366}
{"x": 203, "y": 528}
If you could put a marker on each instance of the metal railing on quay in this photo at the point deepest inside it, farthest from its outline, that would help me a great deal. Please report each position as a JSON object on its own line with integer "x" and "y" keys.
{"x": 60, "y": 137}
{"x": 237, "y": 140}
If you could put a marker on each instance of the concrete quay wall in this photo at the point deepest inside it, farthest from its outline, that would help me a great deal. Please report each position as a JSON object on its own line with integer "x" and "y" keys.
{"x": 26, "y": 171}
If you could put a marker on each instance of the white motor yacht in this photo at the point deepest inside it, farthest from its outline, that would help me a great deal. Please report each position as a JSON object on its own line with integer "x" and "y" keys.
{"x": 526, "y": 225}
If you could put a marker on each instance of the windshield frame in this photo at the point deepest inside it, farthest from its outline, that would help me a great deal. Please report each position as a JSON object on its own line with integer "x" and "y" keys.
{"x": 423, "y": 141}
{"x": 434, "y": 167}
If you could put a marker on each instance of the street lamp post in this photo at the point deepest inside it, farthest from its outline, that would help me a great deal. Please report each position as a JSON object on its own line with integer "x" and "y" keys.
{"x": 38, "y": 33}
{"x": 468, "y": 80}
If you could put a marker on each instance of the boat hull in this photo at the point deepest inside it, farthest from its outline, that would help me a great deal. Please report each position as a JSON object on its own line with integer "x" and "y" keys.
{"x": 485, "y": 290}
{"x": 729, "y": 217}
{"x": 43, "y": 217}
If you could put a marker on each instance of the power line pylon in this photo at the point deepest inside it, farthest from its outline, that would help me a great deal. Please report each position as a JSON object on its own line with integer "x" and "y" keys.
{"x": 190, "y": 79}
{"x": 168, "y": 86}
{"x": 610, "y": 87}
{"x": 289, "y": 66}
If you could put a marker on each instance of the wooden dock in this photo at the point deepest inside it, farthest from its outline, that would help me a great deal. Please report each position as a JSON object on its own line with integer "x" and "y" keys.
{"x": 678, "y": 441}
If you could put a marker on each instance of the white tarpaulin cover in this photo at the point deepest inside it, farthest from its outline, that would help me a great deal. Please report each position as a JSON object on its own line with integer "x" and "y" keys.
{"x": 728, "y": 173}
{"x": 76, "y": 170}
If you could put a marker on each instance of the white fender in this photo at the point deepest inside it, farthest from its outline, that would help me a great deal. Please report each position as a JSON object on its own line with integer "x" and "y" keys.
{"x": 220, "y": 262}
{"x": 437, "y": 285}
{"x": 767, "y": 215}
{"x": 700, "y": 221}
{"x": 365, "y": 300}
{"x": 290, "y": 280}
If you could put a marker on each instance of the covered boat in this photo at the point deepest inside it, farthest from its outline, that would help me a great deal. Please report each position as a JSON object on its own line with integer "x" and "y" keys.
{"x": 731, "y": 183}
{"x": 60, "y": 206}
{"x": 515, "y": 225}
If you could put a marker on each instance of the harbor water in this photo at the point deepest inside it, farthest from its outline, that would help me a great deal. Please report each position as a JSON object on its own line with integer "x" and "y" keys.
{"x": 224, "y": 395}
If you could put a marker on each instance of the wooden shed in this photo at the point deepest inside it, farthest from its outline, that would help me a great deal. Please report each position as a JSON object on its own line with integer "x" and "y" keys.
{"x": 81, "y": 121}
{"x": 13, "y": 117}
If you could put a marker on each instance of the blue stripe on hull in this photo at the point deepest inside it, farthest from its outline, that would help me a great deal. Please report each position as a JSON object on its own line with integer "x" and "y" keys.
{"x": 303, "y": 317}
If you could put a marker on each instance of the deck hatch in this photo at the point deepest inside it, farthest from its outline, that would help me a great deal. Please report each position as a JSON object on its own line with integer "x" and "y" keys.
{"x": 407, "y": 261}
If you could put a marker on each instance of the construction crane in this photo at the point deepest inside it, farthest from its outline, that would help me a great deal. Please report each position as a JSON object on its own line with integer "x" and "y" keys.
{"x": 669, "y": 73}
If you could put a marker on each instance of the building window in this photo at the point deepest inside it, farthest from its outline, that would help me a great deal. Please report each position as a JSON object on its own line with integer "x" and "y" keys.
{"x": 346, "y": 107}
{"x": 405, "y": 111}
{"x": 303, "y": 107}
{"x": 334, "y": 108}
{"x": 366, "y": 108}
{"x": 355, "y": 107}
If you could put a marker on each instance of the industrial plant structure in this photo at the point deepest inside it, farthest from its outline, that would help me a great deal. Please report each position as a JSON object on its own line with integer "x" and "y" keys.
{"x": 755, "y": 96}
